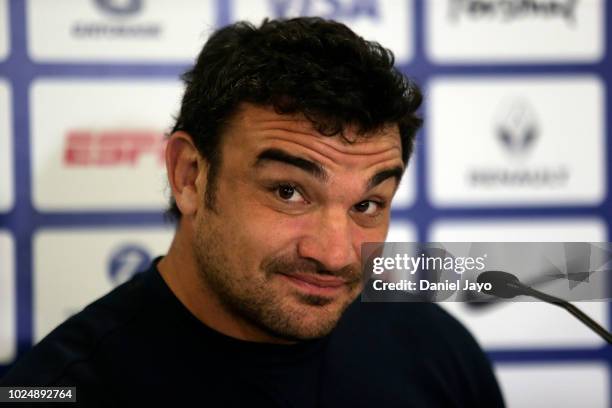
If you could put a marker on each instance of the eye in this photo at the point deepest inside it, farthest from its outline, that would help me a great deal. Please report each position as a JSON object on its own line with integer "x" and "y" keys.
{"x": 289, "y": 193}
{"x": 369, "y": 207}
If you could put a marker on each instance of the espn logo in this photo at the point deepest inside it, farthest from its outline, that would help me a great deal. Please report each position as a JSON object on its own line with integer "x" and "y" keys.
{"x": 112, "y": 147}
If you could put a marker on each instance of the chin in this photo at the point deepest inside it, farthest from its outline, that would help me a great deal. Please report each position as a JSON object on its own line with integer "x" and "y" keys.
{"x": 307, "y": 321}
{"x": 307, "y": 332}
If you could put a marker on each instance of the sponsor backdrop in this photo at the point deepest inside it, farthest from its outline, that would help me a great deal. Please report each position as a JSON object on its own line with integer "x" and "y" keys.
{"x": 515, "y": 148}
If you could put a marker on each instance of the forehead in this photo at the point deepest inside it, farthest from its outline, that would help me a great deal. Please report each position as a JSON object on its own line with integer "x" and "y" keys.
{"x": 254, "y": 128}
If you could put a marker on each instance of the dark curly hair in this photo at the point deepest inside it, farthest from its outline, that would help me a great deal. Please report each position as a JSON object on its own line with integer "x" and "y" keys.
{"x": 308, "y": 65}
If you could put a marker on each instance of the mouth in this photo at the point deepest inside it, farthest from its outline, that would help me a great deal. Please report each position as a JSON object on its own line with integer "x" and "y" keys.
{"x": 324, "y": 286}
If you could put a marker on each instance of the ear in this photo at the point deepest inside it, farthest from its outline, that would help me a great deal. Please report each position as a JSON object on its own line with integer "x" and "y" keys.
{"x": 186, "y": 172}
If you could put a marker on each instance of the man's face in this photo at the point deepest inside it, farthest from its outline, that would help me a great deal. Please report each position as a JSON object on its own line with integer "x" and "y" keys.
{"x": 281, "y": 249}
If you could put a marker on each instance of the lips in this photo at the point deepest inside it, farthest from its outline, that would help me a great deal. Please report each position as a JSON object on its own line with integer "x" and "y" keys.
{"x": 314, "y": 285}
{"x": 321, "y": 281}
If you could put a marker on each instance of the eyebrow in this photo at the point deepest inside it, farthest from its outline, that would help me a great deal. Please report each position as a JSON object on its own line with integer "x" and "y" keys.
{"x": 318, "y": 171}
{"x": 278, "y": 155}
{"x": 395, "y": 172}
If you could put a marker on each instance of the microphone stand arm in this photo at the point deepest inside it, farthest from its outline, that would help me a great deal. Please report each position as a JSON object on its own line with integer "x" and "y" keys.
{"x": 592, "y": 324}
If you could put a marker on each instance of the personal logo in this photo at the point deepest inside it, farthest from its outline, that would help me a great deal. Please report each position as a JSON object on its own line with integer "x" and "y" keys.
{"x": 517, "y": 127}
{"x": 113, "y": 147}
{"x": 117, "y": 22}
{"x": 126, "y": 261}
{"x": 329, "y": 9}
{"x": 509, "y": 11}
{"x": 517, "y": 131}
{"x": 119, "y": 7}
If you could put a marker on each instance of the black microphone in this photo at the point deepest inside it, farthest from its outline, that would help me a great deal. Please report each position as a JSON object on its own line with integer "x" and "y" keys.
{"x": 507, "y": 286}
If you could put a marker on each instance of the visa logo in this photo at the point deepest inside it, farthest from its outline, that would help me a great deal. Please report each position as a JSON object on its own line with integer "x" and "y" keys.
{"x": 112, "y": 147}
{"x": 328, "y": 9}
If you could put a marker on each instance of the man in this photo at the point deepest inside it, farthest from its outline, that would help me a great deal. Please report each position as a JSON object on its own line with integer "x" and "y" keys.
{"x": 289, "y": 146}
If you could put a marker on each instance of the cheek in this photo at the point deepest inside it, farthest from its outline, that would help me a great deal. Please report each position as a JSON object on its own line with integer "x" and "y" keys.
{"x": 363, "y": 235}
{"x": 259, "y": 232}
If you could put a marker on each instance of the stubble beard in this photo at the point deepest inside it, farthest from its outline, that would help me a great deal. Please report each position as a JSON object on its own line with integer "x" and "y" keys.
{"x": 254, "y": 301}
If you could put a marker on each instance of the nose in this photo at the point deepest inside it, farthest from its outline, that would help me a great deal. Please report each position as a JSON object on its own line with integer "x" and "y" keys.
{"x": 330, "y": 241}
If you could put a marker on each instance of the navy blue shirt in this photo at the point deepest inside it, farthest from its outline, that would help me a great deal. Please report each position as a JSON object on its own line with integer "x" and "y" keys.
{"x": 139, "y": 344}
